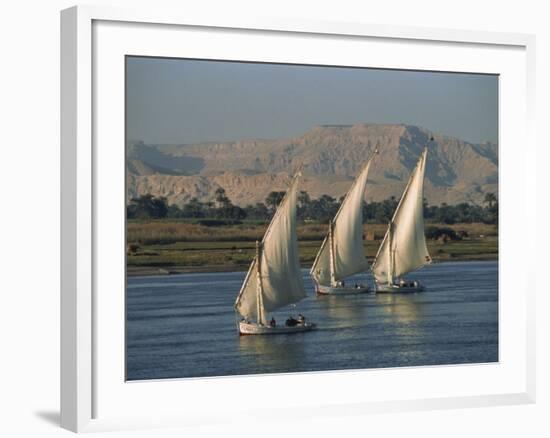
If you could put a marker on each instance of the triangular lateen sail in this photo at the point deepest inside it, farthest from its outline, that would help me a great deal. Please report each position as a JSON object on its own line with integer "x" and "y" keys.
{"x": 347, "y": 237}
{"x": 404, "y": 246}
{"x": 281, "y": 277}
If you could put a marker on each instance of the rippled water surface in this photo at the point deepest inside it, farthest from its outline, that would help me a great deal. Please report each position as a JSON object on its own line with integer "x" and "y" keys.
{"x": 185, "y": 326}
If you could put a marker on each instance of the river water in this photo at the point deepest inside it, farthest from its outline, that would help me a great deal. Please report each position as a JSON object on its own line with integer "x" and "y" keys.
{"x": 184, "y": 326}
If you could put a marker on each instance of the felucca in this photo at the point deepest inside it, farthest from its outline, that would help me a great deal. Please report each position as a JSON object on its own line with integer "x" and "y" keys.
{"x": 404, "y": 249}
{"x": 274, "y": 278}
{"x": 342, "y": 254}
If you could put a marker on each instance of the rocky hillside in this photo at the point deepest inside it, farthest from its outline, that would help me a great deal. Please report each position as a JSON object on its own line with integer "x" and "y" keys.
{"x": 331, "y": 155}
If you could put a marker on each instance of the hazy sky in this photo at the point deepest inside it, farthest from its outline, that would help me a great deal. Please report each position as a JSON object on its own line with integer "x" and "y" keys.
{"x": 187, "y": 101}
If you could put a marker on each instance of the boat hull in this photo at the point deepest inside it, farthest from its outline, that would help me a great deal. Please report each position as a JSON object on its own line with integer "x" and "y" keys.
{"x": 396, "y": 288}
{"x": 249, "y": 328}
{"x": 341, "y": 290}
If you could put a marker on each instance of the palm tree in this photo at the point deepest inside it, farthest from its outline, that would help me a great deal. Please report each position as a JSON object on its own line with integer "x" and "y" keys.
{"x": 303, "y": 198}
{"x": 490, "y": 200}
{"x": 274, "y": 198}
{"x": 221, "y": 197}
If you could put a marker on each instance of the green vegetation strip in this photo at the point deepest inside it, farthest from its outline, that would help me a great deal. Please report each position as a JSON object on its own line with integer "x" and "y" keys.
{"x": 480, "y": 242}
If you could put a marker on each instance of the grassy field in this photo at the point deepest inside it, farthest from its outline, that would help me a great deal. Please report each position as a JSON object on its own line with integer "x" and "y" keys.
{"x": 168, "y": 246}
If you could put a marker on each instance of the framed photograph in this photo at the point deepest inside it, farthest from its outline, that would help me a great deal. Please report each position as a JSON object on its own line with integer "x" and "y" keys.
{"x": 279, "y": 216}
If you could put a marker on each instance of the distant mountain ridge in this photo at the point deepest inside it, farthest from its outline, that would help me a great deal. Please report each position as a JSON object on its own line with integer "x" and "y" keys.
{"x": 331, "y": 155}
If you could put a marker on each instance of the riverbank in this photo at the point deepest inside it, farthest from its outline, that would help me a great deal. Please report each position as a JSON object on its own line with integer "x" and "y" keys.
{"x": 145, "y": 271}
{"x": 230, "y": 256}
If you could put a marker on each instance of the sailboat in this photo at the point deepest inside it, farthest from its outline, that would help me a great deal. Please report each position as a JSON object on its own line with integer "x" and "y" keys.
{"x": 274, "y": 278}
{"x": 404, "y": 249}
{"x": 342, "y": 253}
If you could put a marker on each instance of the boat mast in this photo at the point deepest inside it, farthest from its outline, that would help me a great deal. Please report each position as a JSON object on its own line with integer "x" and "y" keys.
{"x": 331, "y": 243}
{"x": 259, "y": 288}
{"x": 390, "y": 254}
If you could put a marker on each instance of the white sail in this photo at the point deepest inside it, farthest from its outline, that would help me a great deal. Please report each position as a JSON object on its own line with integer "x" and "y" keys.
{"x": 404, "y": 246}
{"x": 280, "y": 281}
{"x": 346, "y": 235}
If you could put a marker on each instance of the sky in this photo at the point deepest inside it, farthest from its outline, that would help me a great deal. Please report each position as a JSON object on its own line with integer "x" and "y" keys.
{"x": 180, "y": 101}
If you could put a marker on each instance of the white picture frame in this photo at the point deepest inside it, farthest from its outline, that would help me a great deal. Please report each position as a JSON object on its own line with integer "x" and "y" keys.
{"x": 92, "y": 394}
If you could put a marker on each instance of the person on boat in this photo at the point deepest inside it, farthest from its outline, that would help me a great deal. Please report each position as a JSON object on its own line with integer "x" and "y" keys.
{"x": 291, "y": 322}
{"x": 272, "y": 323}
{"x": 301, "y": 319}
